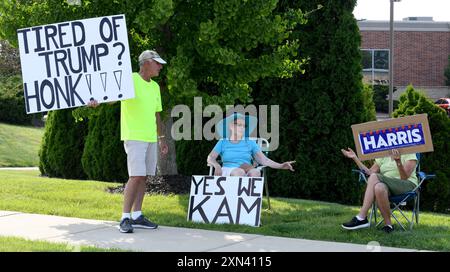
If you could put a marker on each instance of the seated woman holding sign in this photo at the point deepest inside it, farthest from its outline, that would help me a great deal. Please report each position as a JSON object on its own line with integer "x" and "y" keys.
{"x": 390, "y": 175}
{"x": 237, "y": 151}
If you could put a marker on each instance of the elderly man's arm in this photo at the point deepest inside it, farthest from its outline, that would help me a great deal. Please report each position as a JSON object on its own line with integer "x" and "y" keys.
{"x": 94, "y": 103}
{"x": 161, "y": 137}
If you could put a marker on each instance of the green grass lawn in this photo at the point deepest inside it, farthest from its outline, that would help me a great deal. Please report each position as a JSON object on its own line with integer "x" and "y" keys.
{"x": 19, "y": 145}
{"x": 14, "y": 244}
{"x": 25, "y": 191}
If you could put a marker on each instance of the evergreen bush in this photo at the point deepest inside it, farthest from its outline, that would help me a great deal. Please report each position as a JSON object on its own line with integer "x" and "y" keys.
{"x": 436, "y": 192}
{"x": 104, "y": 157}
{"x": 62, "y": 146}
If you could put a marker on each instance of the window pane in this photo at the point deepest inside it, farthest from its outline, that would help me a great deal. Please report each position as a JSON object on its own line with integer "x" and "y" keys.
{"x": 366, "y": 59}
{"x": 381, "y": 59}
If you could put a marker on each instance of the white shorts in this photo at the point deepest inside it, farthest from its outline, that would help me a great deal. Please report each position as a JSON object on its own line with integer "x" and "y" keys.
{"x": 141, "y": 158}
{"x": 226, "y": 171}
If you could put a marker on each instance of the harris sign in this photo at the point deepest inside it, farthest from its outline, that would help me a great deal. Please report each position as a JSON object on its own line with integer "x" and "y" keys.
{"x": 410, "y": 134}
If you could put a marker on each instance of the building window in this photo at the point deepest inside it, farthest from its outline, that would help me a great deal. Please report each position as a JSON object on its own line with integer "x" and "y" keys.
{"x": 375, "y": 64}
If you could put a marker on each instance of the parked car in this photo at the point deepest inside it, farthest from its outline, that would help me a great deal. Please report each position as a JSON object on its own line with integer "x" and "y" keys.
{"x": 444, "y": 103}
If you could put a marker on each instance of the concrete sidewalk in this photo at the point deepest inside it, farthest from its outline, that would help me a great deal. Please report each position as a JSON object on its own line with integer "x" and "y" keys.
{"x": 105, "y": 234}
{"x": 19, "y": 168}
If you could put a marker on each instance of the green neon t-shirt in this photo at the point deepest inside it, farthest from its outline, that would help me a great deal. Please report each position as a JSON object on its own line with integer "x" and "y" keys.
{"x": 138, "y": 115}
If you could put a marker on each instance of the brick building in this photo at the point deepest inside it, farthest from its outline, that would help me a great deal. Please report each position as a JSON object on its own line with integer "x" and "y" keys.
{"x": 421, "y": 51}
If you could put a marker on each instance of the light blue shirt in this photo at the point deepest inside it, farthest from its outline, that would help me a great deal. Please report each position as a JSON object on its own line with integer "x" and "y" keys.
{"x": 236, "y": 154}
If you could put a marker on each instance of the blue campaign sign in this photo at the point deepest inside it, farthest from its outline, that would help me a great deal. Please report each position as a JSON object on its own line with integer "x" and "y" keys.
{"x": 396, "y": 137}
{"x": 409, "y": 134}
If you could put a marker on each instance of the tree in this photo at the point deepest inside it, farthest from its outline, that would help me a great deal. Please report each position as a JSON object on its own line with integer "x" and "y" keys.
{"x": 9, "y": 60}
{"x": 435, "y": 195}
{"x": 12, "y": 103}
{"x": 215, "y": 48}
{"x": 318, "y": 108}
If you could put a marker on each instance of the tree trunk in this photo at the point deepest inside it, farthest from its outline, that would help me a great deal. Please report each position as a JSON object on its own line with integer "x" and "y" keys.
{"x": 167, "y": 164}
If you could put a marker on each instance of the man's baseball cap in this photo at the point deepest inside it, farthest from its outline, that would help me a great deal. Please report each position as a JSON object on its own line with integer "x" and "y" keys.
{"x": 151, "y": 54}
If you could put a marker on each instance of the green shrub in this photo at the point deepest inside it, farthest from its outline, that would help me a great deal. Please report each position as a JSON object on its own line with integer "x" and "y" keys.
{"x": 191, "y": 156}
{"x": 12, "y": 102}
{"x": 436, "y": 193}
{"x": 380, "y": 98}
{"x": 104, "y": 157}
{"x": 369, "y": 112}
{"x": 62, "y": 146}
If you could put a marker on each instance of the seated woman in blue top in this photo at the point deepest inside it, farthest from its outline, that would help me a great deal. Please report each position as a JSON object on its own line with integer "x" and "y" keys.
{"x": 237, "y": 152}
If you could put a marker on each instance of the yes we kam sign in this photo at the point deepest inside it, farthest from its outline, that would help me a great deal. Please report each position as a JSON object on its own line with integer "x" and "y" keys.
{"x": 231, "y": 200}
{"x": 410, "y": 134}
{"x": 64, "y": 65}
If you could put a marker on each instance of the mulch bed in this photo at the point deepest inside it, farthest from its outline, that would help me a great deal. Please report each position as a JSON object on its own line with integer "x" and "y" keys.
{"x": 170, "y": 184}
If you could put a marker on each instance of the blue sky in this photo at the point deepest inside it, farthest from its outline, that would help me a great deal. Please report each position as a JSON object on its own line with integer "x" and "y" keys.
{"x": 379, "y": 9}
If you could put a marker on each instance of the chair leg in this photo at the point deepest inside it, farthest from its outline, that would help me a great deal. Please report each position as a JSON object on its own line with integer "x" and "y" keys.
{"x": 375, "y": 212}
{"x": 398, "y": 221}
{"x": 266, "y": 185}
{"x": 404, "y": 216}
{"x": 418, "y": 208}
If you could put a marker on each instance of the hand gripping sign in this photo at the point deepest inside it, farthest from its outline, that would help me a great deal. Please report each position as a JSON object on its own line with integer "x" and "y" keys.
{"x": 64, "y": 65}
{"x": 410, "y": 134}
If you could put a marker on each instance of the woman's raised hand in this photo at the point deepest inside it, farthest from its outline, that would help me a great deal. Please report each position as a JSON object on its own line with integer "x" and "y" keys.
{"x": 349, "y": 153}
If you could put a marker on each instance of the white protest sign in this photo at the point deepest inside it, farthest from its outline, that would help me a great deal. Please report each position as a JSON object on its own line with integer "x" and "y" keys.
{"x": 64, "y": 65}
{"x": 232, "y": 200}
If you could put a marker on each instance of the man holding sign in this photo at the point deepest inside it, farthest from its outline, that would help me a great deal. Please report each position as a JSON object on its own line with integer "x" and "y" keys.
{"x": 140, "y": 127}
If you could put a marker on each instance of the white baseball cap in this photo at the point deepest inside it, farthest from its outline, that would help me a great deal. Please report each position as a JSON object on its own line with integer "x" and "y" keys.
{"x": 151, "y": 54}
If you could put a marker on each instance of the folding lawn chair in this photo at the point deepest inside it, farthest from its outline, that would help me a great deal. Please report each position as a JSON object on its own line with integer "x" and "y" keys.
{"x": 400, "y": 201}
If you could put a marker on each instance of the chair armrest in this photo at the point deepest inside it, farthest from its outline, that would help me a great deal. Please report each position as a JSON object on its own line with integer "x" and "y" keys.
{"x": 261, "y": 167}
{"x": 358, "y": 171}
{"x": 424, "y": 176}
{"x": 362, "y": 175}
{"x": 211, "y": 168}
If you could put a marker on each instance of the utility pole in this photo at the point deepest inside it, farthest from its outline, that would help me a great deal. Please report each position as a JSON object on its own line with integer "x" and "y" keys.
{"x": 391, "y": 58}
